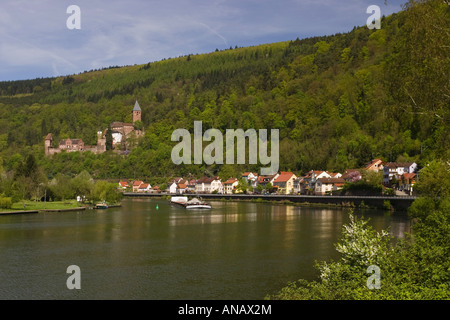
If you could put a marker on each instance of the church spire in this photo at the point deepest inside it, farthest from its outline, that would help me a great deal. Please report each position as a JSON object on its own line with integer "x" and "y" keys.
{"x": 137, "y": 107}
{"x": 136, "y": 112}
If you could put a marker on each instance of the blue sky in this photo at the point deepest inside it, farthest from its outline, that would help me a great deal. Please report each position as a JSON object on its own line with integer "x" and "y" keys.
{"x": 35, "y": 41}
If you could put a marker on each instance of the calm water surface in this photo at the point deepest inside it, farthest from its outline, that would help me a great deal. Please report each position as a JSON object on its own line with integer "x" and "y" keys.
{"x": 238, "y": 250}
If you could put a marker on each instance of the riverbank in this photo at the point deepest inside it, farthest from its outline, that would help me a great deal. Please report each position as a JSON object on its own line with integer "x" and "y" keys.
{"x": 392, "y": 203}
{"x": 29, "y": 207}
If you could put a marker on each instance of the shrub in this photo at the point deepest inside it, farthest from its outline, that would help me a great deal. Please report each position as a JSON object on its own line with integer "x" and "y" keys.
{"x": 6, "y": 202}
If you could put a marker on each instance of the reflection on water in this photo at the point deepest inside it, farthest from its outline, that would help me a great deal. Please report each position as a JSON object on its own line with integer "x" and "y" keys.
{"x": 148, "y": 249}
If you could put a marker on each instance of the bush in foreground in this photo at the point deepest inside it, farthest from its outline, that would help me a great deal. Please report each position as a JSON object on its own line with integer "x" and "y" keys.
{"x": 416, "y": 267}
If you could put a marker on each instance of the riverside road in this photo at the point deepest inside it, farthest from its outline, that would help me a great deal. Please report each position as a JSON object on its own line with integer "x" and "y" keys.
{"x": 399, "y": 203}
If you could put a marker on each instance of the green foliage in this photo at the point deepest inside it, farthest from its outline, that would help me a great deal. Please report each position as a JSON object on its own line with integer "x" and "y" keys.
{"x": 387, "y": 205}
{"x": 370, "y": 184}
{"x": 6, "y": 202}
{"x": 83, "y": 185}
{"x": 242, "y": 185}
{"x": 361, "y": 246}
{"x": 109, "y": 138}
{"x": 106, "y": 191}
{"x": 416, "y": 267}
{"x": 61, "y": 188}
{"x": 434, "y": 181}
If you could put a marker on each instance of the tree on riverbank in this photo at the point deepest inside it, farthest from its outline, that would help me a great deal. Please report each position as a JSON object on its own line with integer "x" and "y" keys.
{"x": 29, "y": 182}
{"x": 416, "y": 267}
{"x": 106, "y": 191}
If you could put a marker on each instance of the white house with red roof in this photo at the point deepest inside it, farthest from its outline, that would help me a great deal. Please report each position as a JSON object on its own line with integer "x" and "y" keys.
{"x": 407, "y": 182}
{"x": 216, "y": 185}
{"x": 374, "y": 165}
{"x": 208, "y": 185}
{"x": 395, "y": 170}
{"x": 230, "y": 185}
{"x": 263, "y": 180}
{"x": 123, "y": 185}
{"x": 251, "y": 178}
{"x": 328, "y": 185}
{"x": 136, "y": 185}
{"x": 144, "y": 187}
{"x": 285, "y": 182}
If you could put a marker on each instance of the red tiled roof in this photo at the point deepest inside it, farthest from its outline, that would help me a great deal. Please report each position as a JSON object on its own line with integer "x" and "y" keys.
{"x": 394, "y": 165}
{"x": 409, "y": 175}
{"x": 230, "y": 181}
{"x": 373, "y": 162}
{"x": 284, "y": 176}
{"x": 317, "y": 172}
{"x": 137, "y": 183}
{"x": 336, "y": 181}
{"x": 332, "y": 174}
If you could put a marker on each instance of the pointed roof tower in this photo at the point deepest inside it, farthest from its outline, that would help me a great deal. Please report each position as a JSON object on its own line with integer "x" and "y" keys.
{"x": 137, "y": 107}
{"x": 136, "y": 112}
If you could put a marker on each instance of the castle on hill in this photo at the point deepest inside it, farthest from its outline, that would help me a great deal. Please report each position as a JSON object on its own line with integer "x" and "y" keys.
{"x": 120, "y": 132}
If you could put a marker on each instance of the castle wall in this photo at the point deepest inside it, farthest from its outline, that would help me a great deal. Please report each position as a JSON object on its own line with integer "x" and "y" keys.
{"x": 70, "y": 145}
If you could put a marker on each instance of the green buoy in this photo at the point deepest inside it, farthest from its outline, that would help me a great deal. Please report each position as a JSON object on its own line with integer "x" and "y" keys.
{"x": 157, "y": 207}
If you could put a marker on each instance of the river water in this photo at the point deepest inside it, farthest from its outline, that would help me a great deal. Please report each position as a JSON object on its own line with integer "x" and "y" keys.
{"x": 147, "y": 249}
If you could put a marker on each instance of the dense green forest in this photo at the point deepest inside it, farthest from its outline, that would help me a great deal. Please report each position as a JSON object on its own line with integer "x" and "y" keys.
{"x": 339, "y": 101}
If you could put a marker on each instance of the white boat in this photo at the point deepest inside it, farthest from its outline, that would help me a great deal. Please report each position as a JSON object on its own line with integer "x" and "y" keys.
{"x": 194, "y": 203}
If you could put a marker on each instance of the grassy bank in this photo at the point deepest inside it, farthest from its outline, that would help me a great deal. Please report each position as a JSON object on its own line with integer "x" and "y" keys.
{"x": 38, "y": 205}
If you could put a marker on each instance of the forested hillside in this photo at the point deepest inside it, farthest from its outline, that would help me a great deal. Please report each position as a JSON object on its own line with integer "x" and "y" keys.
{"x": 339, "y": 101}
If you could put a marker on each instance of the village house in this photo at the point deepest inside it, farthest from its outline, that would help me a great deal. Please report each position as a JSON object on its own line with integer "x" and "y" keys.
{"x": 308, "y": 183}
{"x": 297, "y": 185}
{"x": 407, "y": 182}
{"x": 208, "y": 185}
{"x": 216, "y": 184}
{"x": 374, "y": 165}
{"x": 176, "y": 180}
{"x": 251, "y": 179}
{"x": 264, "y": 180}
{"x": 395, "y": 170}
{"x": 172, "y": 187}
{"x": 328, "y": 185}
{"x": 155, "y": 189}
{"x": 200, "y": 185}
{"x": 124, "y": 185}
{"x": 136, "y": 185}
{"x": 230, "y": 185}
{"x": 221, "y": 189}
{"x": 181, "y": 188}
{"x": 203, "y": 185}
{"x": 144, "y": 187}
{"x": 190, "y": 187}
{"x": 285, "y": 182}
{"x": 334, "y": 174}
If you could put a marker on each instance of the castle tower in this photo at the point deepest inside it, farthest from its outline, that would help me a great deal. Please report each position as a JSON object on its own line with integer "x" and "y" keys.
{"x": 48, "y": 143}
{"x": 101, "y": 142}
{"x": 136, "y": 112}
